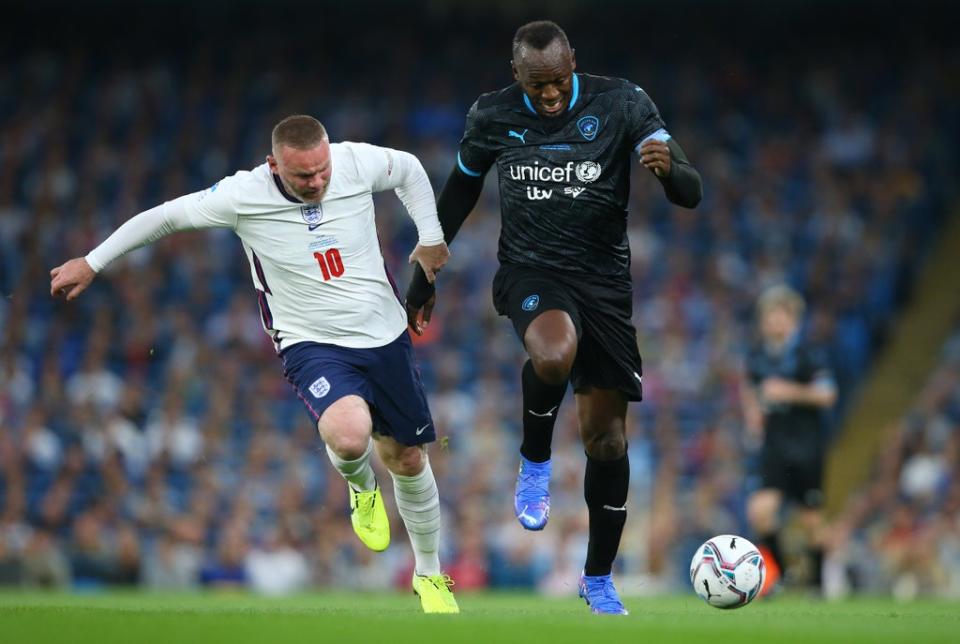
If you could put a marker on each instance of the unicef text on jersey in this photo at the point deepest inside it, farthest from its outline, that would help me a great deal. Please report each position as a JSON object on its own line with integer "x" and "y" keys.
{"x": 585, "y": 172}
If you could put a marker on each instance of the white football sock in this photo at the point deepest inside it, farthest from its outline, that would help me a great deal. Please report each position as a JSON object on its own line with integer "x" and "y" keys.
{"x": 358, "y": 473}
{"x": 419, "y": 504}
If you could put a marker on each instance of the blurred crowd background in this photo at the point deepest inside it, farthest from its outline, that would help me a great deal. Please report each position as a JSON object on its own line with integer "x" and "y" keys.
{"x": 147, "y": 436}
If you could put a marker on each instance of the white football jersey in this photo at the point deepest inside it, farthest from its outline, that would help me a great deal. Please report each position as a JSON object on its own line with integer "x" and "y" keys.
{"x": 317, "y": 268}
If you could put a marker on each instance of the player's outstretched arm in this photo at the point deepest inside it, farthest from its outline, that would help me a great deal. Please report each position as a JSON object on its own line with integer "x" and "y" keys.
{"x": 681, "y": 181}
{"x": 186, "y": 213}
{"x": 459, "y": 195}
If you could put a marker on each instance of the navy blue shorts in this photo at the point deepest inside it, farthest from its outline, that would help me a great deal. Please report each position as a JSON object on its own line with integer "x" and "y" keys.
{"x": 386, "y": 377}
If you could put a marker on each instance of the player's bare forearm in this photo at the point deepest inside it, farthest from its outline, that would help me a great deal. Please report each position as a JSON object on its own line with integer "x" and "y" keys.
{"x": 71, "y": 278}
{"x": 752, "y": 416}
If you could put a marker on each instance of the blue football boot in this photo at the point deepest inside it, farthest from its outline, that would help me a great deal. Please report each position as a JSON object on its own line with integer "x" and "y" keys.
{"x": 531, "y": 501}
{"x": 601, "y": 596}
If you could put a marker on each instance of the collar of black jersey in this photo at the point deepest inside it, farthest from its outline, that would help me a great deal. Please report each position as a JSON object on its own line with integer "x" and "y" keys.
{"x": 286, "y": 195}
{"x": 531, "y": 111}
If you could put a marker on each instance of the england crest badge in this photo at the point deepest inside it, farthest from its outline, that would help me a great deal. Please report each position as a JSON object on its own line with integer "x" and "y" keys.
{"x": 312, "y": 214}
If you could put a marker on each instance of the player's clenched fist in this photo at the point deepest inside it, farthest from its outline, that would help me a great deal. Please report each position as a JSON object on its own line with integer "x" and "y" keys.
{"x": 655, "y": 155}
{"x": 431, "y": 259}
{"x": 71, "y": 279}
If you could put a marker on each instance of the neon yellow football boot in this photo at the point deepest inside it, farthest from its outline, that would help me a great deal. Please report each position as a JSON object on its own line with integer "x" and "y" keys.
{"x": 369, "y": 518}
{"x": 435, "y": 594}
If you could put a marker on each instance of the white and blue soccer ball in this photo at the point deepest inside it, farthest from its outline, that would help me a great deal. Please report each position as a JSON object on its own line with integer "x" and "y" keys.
{"x": 727, "y": 571}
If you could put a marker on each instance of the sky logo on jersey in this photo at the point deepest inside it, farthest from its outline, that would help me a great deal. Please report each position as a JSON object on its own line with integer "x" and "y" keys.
{"x": 518, "y": 136}
{"x": 320, "y": 387}
{"x": 531, "y": 303}
{"x": 312, "y": 214}
{"x": 589, "y": 126}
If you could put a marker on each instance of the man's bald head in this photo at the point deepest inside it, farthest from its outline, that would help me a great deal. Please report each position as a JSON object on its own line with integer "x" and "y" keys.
{"x": 538, "y": 37}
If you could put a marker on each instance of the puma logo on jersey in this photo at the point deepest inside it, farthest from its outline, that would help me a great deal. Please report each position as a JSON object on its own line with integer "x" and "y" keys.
{"x": 518, "y": 136}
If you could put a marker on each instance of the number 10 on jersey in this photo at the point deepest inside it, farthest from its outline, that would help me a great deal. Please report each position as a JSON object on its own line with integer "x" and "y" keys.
{"x": 330, "y": 264}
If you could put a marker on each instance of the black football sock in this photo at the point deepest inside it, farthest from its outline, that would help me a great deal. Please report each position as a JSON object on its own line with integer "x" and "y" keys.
{"x": 816, "y": 567}
{"x": 541, "y": 402}
{"x": 605, "y": 486}
{"x": 772, "y": 543}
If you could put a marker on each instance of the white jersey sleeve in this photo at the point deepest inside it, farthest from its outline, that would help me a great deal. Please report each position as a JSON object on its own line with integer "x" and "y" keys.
{"x": 389, "y": 169}
{"x": 204, "y": 209}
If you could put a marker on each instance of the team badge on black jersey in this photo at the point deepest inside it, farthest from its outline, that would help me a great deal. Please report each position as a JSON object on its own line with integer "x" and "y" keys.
{"x": 589, "y": 126}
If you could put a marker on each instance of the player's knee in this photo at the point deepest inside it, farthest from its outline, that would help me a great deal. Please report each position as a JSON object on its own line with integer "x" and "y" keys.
{"x": 553, "y": 365}
{"x": 407, "y": 461}
{"x": 605, "y": 446}
{"x": 761, "y": 512}
{"x": 348, "y": 435}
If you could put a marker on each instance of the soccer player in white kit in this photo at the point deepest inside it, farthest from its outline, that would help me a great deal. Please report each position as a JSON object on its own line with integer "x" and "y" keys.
{"x": 306, "y": 220}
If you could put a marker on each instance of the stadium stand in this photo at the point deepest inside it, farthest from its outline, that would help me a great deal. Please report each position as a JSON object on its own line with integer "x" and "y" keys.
{"x": 148, "y": 438}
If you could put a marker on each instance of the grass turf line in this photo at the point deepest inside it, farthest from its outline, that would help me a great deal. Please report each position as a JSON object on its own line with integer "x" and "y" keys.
{"x": 394, "y": 618}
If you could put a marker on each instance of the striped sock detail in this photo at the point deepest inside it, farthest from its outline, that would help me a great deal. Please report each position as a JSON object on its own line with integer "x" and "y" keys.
{"x": 359, "y": 474}
{"x": 418, "y": 502}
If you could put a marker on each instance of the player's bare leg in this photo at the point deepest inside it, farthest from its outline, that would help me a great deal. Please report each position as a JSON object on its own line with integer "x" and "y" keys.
{"x": 346, "y": 428}
{"x": 763, "y": 511}
{"x": 551, "y": 343}
{"x": 419, "y": 505}
{"x": 602, "y": 414}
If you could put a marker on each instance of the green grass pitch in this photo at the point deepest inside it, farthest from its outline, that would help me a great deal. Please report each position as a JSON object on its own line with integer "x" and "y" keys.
{"x": 498, "y": 618}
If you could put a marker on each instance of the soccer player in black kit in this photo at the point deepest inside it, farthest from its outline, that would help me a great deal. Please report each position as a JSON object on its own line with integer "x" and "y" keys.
{"x": 563, "y": 144}
{"x": 788, "y": 389}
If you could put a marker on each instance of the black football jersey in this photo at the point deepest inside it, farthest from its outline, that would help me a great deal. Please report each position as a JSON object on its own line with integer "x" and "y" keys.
{"x": 564, "y": 181}
{"x": 795, "y": 428}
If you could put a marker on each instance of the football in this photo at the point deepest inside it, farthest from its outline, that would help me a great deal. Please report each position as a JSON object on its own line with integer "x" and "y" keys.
{"x": 727, "y": 571}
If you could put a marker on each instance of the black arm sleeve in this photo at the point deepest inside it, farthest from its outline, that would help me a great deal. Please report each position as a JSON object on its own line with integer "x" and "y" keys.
{"x": 682, "y": 186}
{"x": 456, "y": 201}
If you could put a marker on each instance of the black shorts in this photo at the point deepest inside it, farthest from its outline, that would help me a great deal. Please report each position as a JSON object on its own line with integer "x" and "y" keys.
{"x": 601, "y": 309}
{"x": 798, "y": 476}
